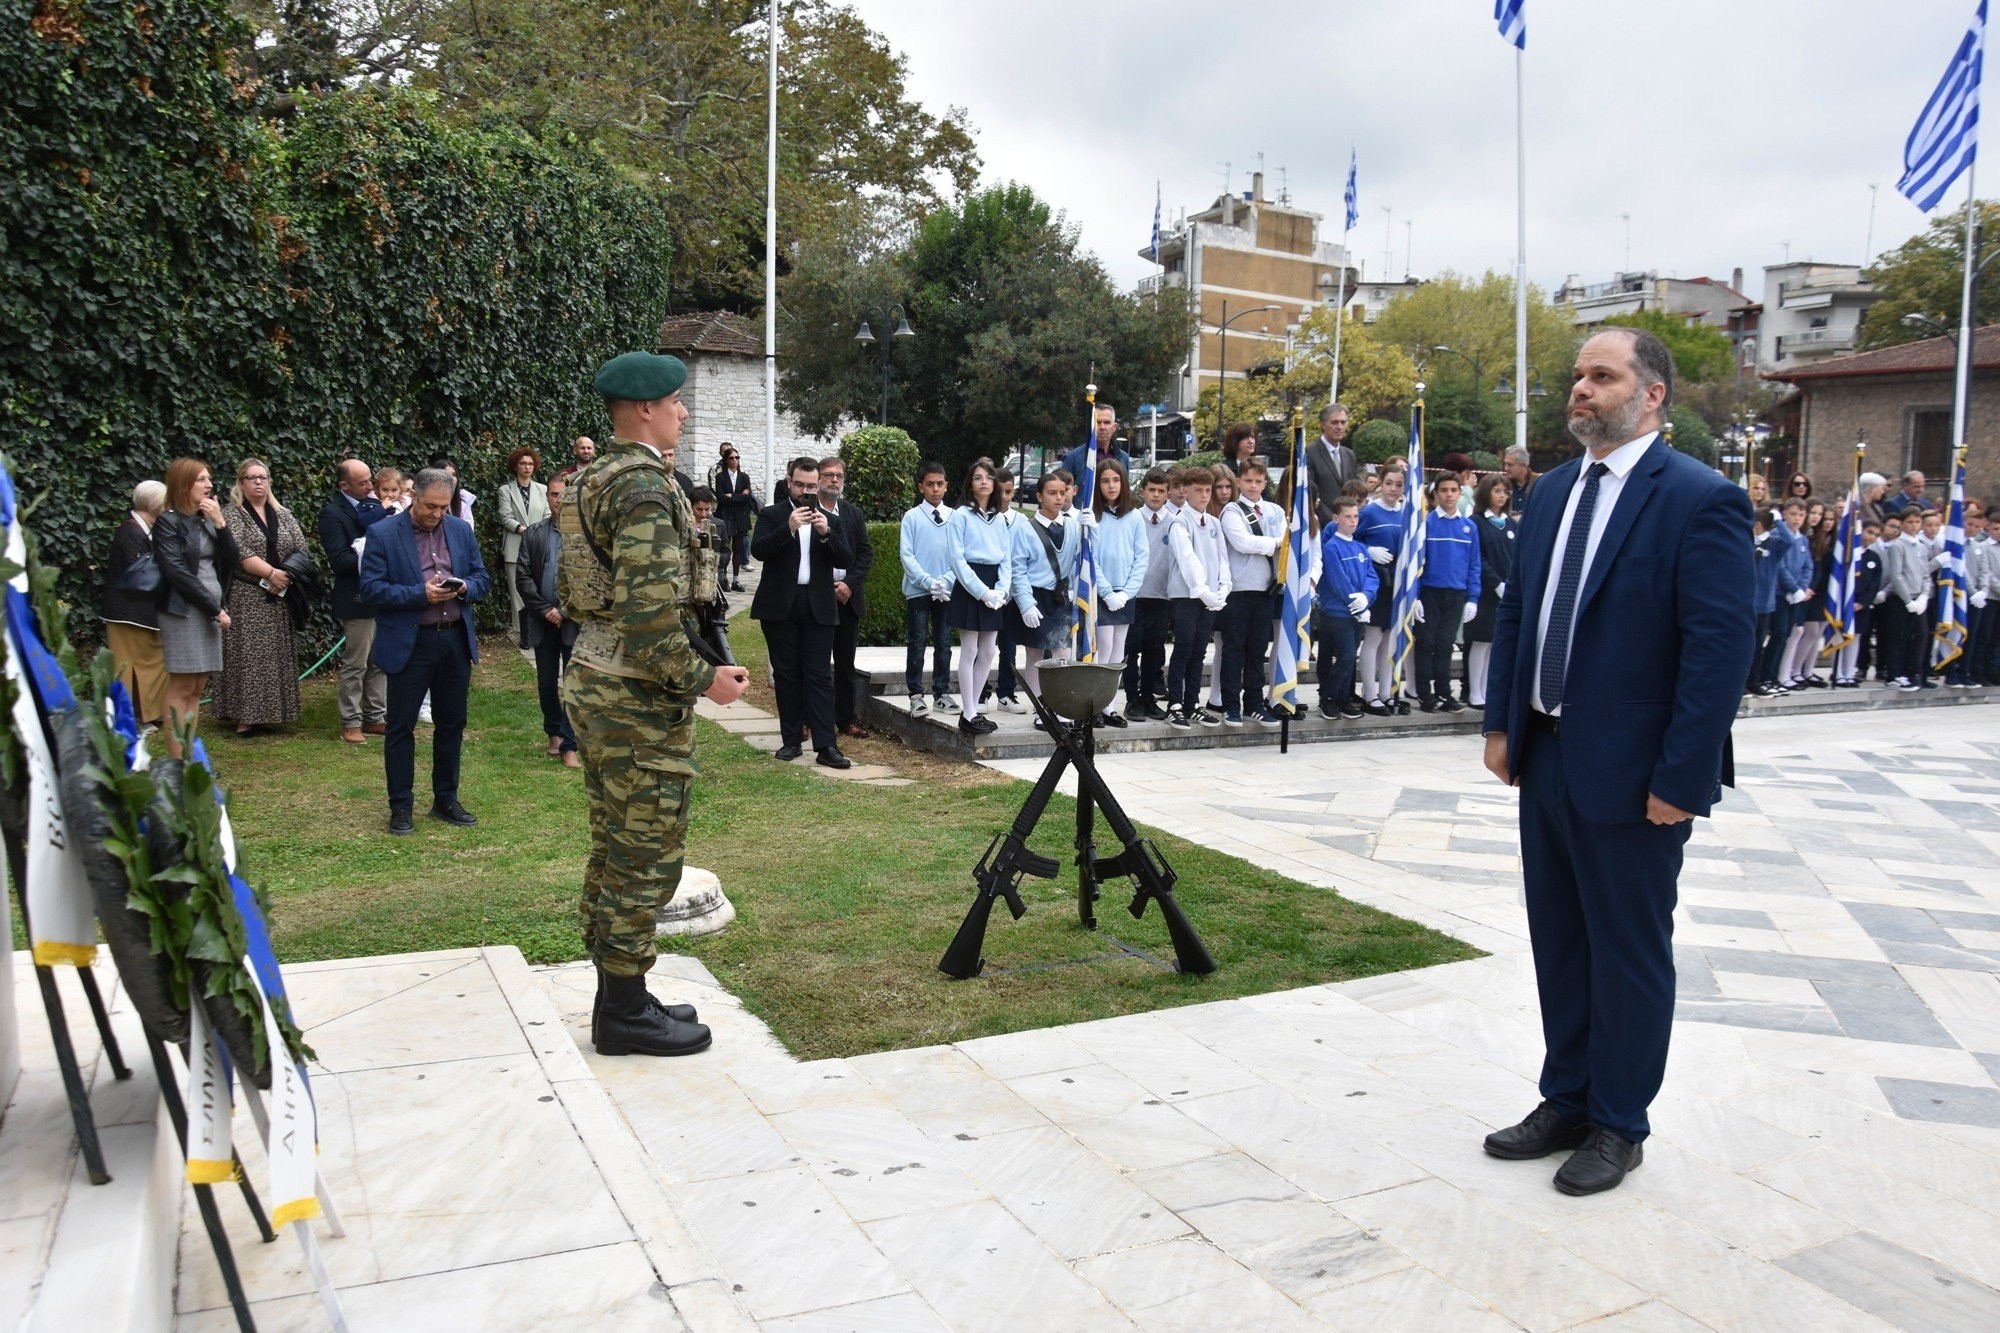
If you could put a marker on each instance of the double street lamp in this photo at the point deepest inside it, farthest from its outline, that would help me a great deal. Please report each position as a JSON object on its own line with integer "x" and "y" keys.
{"x": 1222, "y": 365}
{"x": 1472, "y": 359}
{"x": 865, "y": 335}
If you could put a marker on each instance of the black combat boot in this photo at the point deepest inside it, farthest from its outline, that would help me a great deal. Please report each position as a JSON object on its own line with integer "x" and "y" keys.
{"x": 627, "y": 1023}
{"x": 684, "y": 1013}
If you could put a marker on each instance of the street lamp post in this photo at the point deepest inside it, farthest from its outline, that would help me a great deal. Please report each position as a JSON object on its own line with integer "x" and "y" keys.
{"x": 865, "y": 335}
{"x": 1222, "y": 365}
{"x": 1471, "y": 359}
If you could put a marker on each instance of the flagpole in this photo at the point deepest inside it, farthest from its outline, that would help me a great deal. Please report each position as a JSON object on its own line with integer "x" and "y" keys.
{"x": 1339, "y": 307}
{"x": 771, "y": 261}
{"x": 1962, "y": 380}
{"x": 1520, "y": 252}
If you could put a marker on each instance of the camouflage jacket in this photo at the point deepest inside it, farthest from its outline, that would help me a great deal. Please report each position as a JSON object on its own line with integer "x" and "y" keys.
{"x": 626, "y": 569}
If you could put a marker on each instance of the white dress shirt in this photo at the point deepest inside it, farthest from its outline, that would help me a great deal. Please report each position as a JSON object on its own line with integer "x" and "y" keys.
{"x": 1621, "y": 461}
{"x": 805, "y": 535}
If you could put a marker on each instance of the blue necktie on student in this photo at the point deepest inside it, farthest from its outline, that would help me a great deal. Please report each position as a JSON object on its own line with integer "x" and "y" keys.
{"x": 1555, "y": 647}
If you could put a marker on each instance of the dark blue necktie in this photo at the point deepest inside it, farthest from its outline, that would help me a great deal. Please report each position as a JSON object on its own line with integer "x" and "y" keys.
{"x": 1555, "y": 646}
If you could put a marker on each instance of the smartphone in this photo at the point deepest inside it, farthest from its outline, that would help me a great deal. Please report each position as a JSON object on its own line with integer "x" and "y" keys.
{"x": 454, "y": 584}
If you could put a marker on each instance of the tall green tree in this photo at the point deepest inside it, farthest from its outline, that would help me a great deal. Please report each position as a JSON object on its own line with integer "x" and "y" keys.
{"x": 1925, "y": 275}
{"x": 1702, "y": 354}
{"x": 1011, "y": 319}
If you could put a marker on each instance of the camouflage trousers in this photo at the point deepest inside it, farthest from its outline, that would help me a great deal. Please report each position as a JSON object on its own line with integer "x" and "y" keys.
{"x": 637, "y": 747}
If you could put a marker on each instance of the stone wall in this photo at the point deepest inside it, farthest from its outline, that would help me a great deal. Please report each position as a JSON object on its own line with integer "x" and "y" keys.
{"x": 1837, "y": 410}
{"x": 725, "y": 401}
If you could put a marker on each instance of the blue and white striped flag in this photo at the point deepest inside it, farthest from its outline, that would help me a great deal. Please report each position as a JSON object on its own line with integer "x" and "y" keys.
{"x": 1946, "y": 136}
{"x": 1950, "y": 640}
{"x": 1410, "y": 565}
{"x": 1294, "y": 645}
{"x": 1085, "y": 588}
{"x": 1156, "y": 222}
{"x": 1845, "y": 571}
{"x": 1513, "y": 23}
{"x": 1353, "y": 198}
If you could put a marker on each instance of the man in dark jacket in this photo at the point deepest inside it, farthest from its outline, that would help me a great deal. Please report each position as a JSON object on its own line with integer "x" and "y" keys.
{"x": 364, "y": 690}
{"x": 799, "y": 548}
{"x": 850, "y": 589}
{"x": 545, "y": 631}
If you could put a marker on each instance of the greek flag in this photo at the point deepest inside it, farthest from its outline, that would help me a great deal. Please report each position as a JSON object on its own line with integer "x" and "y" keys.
{"x": 1156, "y": 222}
{"x": 1294, "y": 646}
{"x": 1514, "y": 23}
{"x": 1085, "y": 590}
{"x": 1353, "y": 199}
{"x": 1410, "y": 565}
{"x": 1845, "y": 570}
{"x": 1950, "y": 641}
{"x": 1946, "y": 136}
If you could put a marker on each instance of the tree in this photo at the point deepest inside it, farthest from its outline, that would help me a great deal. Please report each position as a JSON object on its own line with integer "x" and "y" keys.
{"x": 1380, "y": 440}
{"x": 1376, "y": 379}
{"x": 1925, "y": 275}
{"x": 1011, "y": 322}
{"x": 1702, "y": 353}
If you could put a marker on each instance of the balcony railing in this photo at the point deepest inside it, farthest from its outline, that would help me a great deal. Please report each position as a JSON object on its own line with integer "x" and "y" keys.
{"x": 1810, "y": 341}
{"x": 1160, "y": 281}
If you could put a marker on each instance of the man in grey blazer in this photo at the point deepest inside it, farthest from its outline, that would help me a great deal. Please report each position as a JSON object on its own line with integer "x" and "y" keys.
{"x": 1330, "y": 463}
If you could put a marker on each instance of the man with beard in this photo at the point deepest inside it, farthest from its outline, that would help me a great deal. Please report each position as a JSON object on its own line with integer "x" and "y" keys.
{"x": 1617, "y": 662}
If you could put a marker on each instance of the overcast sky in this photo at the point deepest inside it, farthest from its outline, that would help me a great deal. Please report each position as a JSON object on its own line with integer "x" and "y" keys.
{"x": 1725, "y": 128}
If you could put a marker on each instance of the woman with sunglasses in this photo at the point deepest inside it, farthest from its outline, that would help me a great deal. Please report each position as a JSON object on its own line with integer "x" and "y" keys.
{"x": 736, "y": 507}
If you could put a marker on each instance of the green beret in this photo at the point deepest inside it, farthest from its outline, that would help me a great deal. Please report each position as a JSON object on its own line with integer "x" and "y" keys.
{"x": 640, "y": 377}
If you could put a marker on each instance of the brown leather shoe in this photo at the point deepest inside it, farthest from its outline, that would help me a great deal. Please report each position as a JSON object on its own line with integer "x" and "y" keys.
{"x": 353, "y": 736}
{"x": 854, "y": 729}
{"x": 376, "y": 729}
{"x": 570, "y": 760}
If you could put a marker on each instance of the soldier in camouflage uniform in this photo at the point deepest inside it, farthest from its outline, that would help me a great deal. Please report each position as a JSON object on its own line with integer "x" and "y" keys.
{"x": 630, "y": 690}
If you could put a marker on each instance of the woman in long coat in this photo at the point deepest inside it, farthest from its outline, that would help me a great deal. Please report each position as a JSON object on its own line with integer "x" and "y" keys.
{"x": 196, "y": 551}
{"x": 260, "y": 651}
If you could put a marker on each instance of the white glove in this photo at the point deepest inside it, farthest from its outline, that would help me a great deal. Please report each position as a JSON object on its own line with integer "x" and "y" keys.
{"x": 1417, "y": 613}
{"x": 1214, "y": 601}
{"x": 940, "y": 595}
{"x": 1500, "y": 591}
{"x": 1979, "y": 599}
{"x": 1381, "y": 555}
{"x": 1357, "y": 603}
{"x": 1795, "y": 598}
{"x": 1917, "y": 605}
{"x": 1360, "y": 617}
{"x": 1113, "y": 601}
{"x": 994, "y": 600}
{"x": 1086, "y": 518}
{"x": 1471, "y": 610}
{"x": 1881, "y": 597}
{"x": 1032, "y": 617}
{"x": 939, "y": 588}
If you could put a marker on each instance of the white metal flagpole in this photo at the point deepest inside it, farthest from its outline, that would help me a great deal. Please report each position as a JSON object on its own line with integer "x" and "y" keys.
{"x": 1339, "y": 308}
{"x": 1520, "y": 254}
{"x": 1961, "y": 389}
{"x": 771, "y": 263}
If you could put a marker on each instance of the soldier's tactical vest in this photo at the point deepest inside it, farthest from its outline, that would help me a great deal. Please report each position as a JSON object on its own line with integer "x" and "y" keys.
{"x": 584, "y": 577}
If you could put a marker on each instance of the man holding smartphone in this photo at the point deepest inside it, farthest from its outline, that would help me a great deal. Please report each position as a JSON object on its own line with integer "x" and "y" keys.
{"x": 420, "y": 569}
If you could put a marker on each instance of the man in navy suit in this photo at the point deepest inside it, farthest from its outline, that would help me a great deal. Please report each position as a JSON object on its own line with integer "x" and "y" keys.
{"x": 1617, "y": 665}
{"x": 421, "y": 572}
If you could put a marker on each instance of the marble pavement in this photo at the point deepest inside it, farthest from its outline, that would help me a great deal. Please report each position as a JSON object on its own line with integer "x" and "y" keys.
{"x": 1826, "y": 1152}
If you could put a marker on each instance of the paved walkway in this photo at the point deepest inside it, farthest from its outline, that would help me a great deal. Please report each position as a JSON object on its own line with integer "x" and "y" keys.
{"x": 1826, "y": 1152}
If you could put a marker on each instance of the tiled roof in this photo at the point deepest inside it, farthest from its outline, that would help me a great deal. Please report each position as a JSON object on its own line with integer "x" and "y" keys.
{"x": 1930, "y": 356}
{"x": 711, "y": 331}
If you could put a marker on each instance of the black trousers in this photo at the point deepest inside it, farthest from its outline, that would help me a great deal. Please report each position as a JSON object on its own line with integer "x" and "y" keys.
{"x": 1193, "y": 623}
{"x": 551, "y": 656}
{"x": 1146, "y": 651}
{"x": 1444, "y": 610}
{"x": 441, "y": 665}
{"x": 1245, "y": 625}
{"x": 1337, "y": 646}
{"x": 846, "y": 635}
{"x": 1901, "y": 639}
{"x": 802, "y": 671}
{"x": 739, "y": 539}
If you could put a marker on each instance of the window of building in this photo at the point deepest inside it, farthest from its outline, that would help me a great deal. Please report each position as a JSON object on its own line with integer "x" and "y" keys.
{"x": 1930, "y": 440}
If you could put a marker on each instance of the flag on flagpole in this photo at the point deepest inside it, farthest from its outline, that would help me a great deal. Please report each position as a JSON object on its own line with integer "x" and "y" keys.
{"x": 1950, "y": 640}
{"x": 1514, "y": 23}
{"x": 1410, "y": 565}
{"x": 1353, "y": 197}
{"x": 1156, "y": 222}
{"x": 1084, "y": 632}
{"x": 1294, "y": 645}
{"x": 1845, "y": 572}
{"x": 1945, "y": 138}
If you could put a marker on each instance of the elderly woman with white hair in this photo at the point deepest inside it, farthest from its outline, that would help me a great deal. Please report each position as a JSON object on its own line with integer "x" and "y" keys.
{"x": 131, "y": 614}
{"x": 1873, "y": 487}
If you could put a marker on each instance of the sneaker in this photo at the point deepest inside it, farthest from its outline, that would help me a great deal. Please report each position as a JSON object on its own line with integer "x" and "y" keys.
{"x": 1264, "y": 717}
{"x": 1150, "y": 712}
{"x": 1428, "y": 704}
{"x": 1177, "y": 718}
{"x": 1350, "y": 709}
{"x": 1012, "y": 704}
{"x": 918, "y": 707}
{"x": 945, "y": 703}
{"x": 1207, "y": 717}
{"x": 1329, "y": 711}
{"x": 1451, "y": 706}
{"x": 1232, "y": 718}
{"x": 1906, "y": 685}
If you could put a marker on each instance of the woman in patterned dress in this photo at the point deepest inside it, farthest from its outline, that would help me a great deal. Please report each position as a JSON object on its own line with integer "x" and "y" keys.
{"x": 259, "y": 686}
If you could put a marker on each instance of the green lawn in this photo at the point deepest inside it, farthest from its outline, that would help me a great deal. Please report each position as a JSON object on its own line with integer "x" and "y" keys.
{"x": 846, "y": 894}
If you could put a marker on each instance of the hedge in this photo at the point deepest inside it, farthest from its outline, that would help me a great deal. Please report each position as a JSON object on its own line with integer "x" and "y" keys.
{"x": 178, "y": 277}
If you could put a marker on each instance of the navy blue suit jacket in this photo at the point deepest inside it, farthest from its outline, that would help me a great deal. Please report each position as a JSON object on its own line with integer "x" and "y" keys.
{"x": 392, "y": 583}
{"x": 1663, "y": 628}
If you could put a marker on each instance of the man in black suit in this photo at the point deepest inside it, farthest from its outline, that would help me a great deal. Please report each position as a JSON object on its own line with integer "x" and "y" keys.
{"x": 800, "y": 548}
{"x": 850, "y": 589}
{"x": 545, "y": 630}
{"x": 364, "y": 690}
{"x": 1330, "y": 463}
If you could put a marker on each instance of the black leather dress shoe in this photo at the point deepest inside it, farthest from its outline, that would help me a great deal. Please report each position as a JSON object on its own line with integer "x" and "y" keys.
{"x": 787, "y": 752}
{"x": 831, "y": 757}
{"x": 451, "y": 812}
{"x": 399, "y": 823}
{"x": 1546, "y": 1130}
{"x": 1600, "y": 1164}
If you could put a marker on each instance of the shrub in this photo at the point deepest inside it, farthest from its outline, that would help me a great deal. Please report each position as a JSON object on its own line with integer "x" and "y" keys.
{"x": 882, "y": 463}
{"x": 1486, "y": 461}
{"x": 1380, "y": 440}
{"x": 883, "y": 625}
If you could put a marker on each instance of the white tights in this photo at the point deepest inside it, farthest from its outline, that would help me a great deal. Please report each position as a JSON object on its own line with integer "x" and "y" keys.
{"x": 1377, "y": 668}
{"x": 1031, "y": 667}
{"x": 978, "y": 650}
{"x": 1111, "y": 642}
{"x": 1802, "y": 653}
{"x": 1476, "y": 656}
